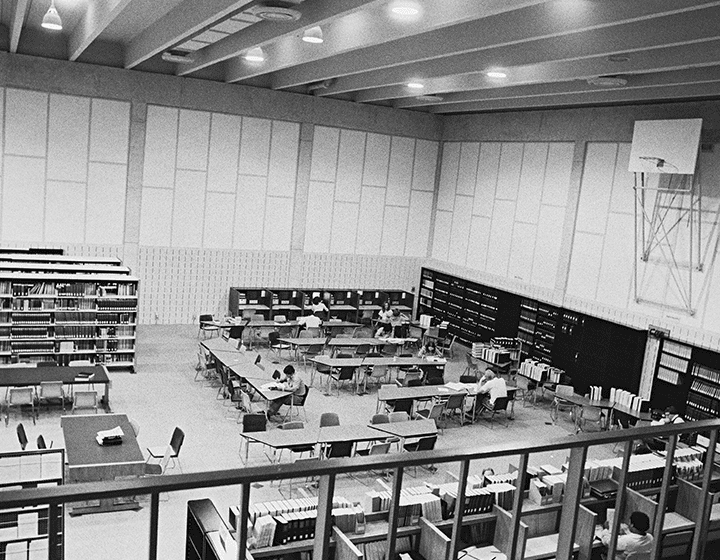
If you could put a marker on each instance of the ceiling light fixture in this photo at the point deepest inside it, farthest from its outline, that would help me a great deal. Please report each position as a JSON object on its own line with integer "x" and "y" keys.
{"x": 255, "y": 54}
{"x": 52, "y": 20}
{"x": 275, "y": 11}
{"x": 313, "y": 35}
{"x": 496, "y": 74}
{"x": 607, "y": 81}
{"x": 405, "y": 8}
{"x": 177, "y": 56}
{"x": 415, "y": 85}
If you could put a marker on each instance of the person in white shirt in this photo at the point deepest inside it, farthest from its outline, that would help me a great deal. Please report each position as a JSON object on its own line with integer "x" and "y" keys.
{"x": 632, "y": 538}
{"x": 319, "y": 308}
{"x": 293, "y": 385}
{"x": 384, "y": 314}
{"x": 310, "y": 321}
{"x": 493, "y": 386}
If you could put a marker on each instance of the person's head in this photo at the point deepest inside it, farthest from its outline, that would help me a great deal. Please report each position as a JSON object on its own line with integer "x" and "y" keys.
{"x": 316, "y": 300}
{"x": 489, "y": 374}
{"x": 639, "y": 522}
{"x": 386, "y": 306}
{"x": 289, "y": 371}
{"x": 430, "y": 346}
{"x": 671, "y": 412}
{"x": 488, "y": 471}
{"x": 396, "y": 312}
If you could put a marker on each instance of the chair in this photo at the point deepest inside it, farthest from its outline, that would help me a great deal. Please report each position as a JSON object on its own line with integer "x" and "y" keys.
{"x": 329, "y": 419}
{"x": 590, "y": 415}
{"x": 275, "y": 345}
{"x": 299, "y": 449}
{"x": 454, "y": 404}
{"x": 432, "y": 413}
{"x": 135, "y": 426}
{"x": 362, "y": 350}
{"x": 403, "y": 405}
{"x": 22, "y": 436}
{"x": 434, "y": 375}
{"x": 19, "y": 397}
{"x": 156, "y": 469}
{"x": 362, "y": 332}
{"x": 338, "y": 449}
{"x": 445, "y": 346}
{"x": 176, "y": 441}
{"x": 341, "y": 375}
{"x": 426, "y": 443}
{"x": 411, "y": 379}
{"x": 310, "y": 352}
{"x": 205, "y": 327}
{"x": 313, "y": 332}
{"x": 300, "y": 403}
{"x": 84, "y": 399}
{"x": 390, "y": 350}
{"x": 526, "y": 389}
{"x": 377, "y": 375}
{"x": 379, "y": 419}
{"x": 251, "y": 423}
{"x": 41, "y": 442}
{"x": 398, "y": 417}
{"x": 468, "y": 379}
{"x": 51, "y": 390}
{"x": 559, "y": 403}
{"x": 500, "y": 405}
{"x": 471, "y": 368}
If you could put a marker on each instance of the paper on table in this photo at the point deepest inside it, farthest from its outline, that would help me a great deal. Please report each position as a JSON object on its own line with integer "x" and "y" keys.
{"x": 610, "y": 516}
{"x": 115, "y": 432}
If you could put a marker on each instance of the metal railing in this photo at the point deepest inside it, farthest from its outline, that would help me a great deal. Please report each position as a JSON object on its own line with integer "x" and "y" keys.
{"x": 327, "y": 471}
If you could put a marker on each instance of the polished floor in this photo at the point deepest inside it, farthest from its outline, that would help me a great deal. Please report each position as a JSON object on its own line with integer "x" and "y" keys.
{"x": 163, "y": 394}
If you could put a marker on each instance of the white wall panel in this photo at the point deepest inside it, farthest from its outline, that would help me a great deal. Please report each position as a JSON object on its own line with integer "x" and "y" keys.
{"x": 188, "y": 208}
{"x": 65, "y": 212}
{"x": 467, "y": 169}
{"x": 324, "y": 153}
{"x": 711, "y": 317}
{"x": 2, "y": 128}
{"x": 487, "y": 175}
{"x": 69, "y": 126}
{"x": 23, "y": 199}
{"x": 377, "y": 159}
{"x": 283, "y": 158}
{"x": 400, "y": 175}
{"x": 372, "y": 210}
{"x": 105, "y": 214}
{"x": 278, "y": 223}
{"x": 394, "y": 231}
{"x": 318, "y": 222}
{"x": 255, "y": 147}
{"x": 585, "y": 265}
{"x": 25, "y": 122}
{"x": 501, "y": 228}
{"x": 478, "y": 243}
{"x": 511, "y": 158}
{"x": 531, "y": 183}
{"x": 448, "y": 176}
{"x": 460, "y": 233}
{"x": 616, "y": 270}
{"x": 156, "y": 217}
{"x": 653, "y": 281}
{"x": 249, "y": 212}
{"x": 623, "y": 196}
{"x": 425, "y": 165}
{"x": 441, "y": 239}
{"x": 344, "y": 226}
{"x": 557, "y": 173}
{"x": 418, "y": 229}
{"x": 160, "y": 144}
{"x": 350, "y": 166}
{"x": 109, "y": 131}
{"x": 219, "y": 217}
{"x": 521, "y": 252}
{"x": 223, "y": 153}
{"x": 596, "y": 187}
{"x": 547, "y": 246}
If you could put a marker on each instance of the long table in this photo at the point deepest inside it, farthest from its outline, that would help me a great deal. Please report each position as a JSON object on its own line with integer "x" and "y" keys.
{"x": 33, "y": 376}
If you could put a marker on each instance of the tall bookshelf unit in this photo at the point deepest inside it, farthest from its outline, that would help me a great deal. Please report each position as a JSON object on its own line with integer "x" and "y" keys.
{"x": 65, "y": 316}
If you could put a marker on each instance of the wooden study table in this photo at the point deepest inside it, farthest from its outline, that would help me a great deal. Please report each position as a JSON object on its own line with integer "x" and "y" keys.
{"x": 33, "y": 376}
{"x": 89, "y": 461}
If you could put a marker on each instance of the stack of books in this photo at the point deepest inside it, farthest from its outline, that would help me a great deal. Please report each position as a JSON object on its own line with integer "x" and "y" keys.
{"x": 628, "y": 400}
{"x": 414, "y": 503}
{"x": 540, "y": 372}
{"x": 489, "y": 353}
{"x": 110, "y": 437}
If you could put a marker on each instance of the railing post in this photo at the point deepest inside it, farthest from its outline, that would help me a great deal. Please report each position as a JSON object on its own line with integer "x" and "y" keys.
{"x": 571, "y": 502}
{"x": 657, "y": 530}
{"x": 700, "y": 534}
{"x": 154, "y": 513}
{"x": 323, "y": 526}
{"x": 517, "y": 507}
{"x": 393, "y": 514}
{"x": 54, "y": 537}
{"x": 459, "y": 508}
{"x": 620, "y": 499}
{"x": 242, "y": 522}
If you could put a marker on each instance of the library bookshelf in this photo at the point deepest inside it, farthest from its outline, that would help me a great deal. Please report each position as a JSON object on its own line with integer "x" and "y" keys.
{"x": 65, "y": 315}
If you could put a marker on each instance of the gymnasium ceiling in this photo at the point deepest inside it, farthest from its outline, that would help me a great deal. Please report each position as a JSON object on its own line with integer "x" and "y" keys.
{"x": 551, "y": 52}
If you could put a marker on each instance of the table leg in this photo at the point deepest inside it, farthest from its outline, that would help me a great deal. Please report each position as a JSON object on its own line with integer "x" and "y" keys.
{"x": 107, "y": 398}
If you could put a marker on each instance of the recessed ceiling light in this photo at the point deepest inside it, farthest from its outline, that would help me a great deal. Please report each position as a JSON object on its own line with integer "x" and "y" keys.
{"x": 52, "y": 20}
{"x": 496, "y": 74}
{"x": 255, "y": 54}
{"x": 313, "y": 35}
{"x": 405, "y": 8}
{"x": 618, "y": 58}
{"x": 415, "y": 85}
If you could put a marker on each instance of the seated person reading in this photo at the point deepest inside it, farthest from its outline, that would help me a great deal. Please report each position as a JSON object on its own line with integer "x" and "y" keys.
{"x": 309, "y": 322}
{"x": 494, "y": 387}
{"x": 633, "y": 538}
{"x": 319, "y": 308}
{"x": 293, "y": 385}
{"x": 428, "y": 349}
{"x": 384, "y": 331}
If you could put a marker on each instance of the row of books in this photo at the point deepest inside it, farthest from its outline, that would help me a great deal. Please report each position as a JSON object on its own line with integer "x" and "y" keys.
{"x": 31, "y": 318}
{"x": 595, "y": 392}
{"x": 548, "y": 489}
{"x": 706, "y": 373}
{"x": 538, "y": 371}
{"x": 74, "y": 317}
{"x": 112, "y": 318}
{"x": 677, "y": 349}
{"x": 628, "y": 400}
{"x": 116, "y": 305}
{"x": 29, "y": 332}
{"x": 71, "y": 304}
{"x": 75, "y": 331}
{"x": 33, "y": 304}
{"x": 120, "y": 356}
{"x": 414, "y": 503}
{"x": 705, "y": 388}
{"x": 704, "y": 403}
{"x": 668, "y": 375}
{"x": 75, "y": 289}
{"x": 674, "y": 362}
{"x": 477, "y": 500}
{"x": 255, "y": 511}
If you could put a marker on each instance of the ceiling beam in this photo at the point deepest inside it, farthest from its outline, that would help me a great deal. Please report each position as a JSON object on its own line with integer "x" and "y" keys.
{"x": 186, "y": 19}
{"x": 95, "y": 19}
{"x": 367, "y": 28}
{"x": 689, "y": 76}
{"x": 657, "y": 60}
{"x": 626, "y": 96}
{"x": 522, "y": 25}
{"x": 314, "y": 12}
{"x": 16, "y": 24}
{"x": 676, "y": 29}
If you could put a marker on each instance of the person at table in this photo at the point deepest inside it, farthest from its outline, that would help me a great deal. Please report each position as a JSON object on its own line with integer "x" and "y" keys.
{"x": 397, "y": 320}
{"x": 319, "y": 308}
{"x": 428, "y": 349}
{"x": 492, "y": 386}
{"x": 633, "y": 538}
{"x": 384, "y": 314}
{"x": 309, "y": 322}
{"x": 384, "y": 331}
{"x": 293, "y": 385}
{"x": 671, "y": 416}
